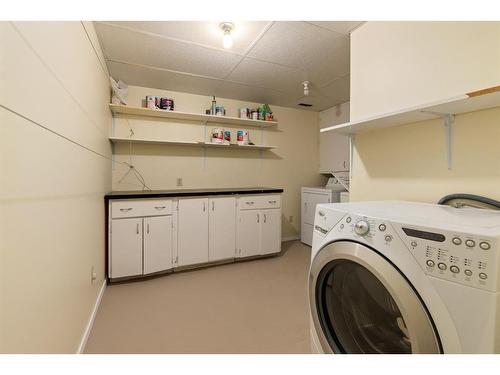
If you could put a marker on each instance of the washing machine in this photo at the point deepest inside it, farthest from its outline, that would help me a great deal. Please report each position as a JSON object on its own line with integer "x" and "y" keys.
{"x": 404, "y": 277}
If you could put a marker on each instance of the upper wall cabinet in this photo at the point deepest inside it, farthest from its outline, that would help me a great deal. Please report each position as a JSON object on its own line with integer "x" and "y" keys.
{"x": 333, "y": 147}
{"x": 399, "y": 65}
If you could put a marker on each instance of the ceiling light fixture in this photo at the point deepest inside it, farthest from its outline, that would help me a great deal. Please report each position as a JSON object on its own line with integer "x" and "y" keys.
{"x": 306, "y": 88}
{"x": 227, "y": 39}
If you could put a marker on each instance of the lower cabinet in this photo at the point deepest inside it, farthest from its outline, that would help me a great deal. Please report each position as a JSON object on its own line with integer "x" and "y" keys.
{"x": 221, "y": 228}
{"x": 140, "y": 246}
{"x": 153, "y": 235}
{"x": 126, "y": 247}
{"x": 258, "y": 227}
{"x": 192, "y": 235}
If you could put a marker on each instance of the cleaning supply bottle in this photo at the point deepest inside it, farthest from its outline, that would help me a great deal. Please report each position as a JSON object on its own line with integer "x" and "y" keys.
{"x": 214, "y": 105}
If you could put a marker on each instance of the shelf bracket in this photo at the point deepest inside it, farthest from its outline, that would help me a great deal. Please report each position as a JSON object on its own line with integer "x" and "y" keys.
{"x": 204, "y": 147}
{"x": 448, "y": 122}
{"x": 113, "y": 161}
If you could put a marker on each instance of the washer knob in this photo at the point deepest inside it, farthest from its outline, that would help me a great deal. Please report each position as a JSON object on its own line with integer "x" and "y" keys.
{"x": 362, "y": 227}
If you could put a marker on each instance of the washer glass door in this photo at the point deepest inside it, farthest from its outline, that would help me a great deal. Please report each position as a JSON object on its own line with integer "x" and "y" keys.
{"x": 362, "y": 304}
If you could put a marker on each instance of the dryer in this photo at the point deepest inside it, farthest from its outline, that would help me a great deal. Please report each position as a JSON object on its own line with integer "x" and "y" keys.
{"x": 404, "y": 277}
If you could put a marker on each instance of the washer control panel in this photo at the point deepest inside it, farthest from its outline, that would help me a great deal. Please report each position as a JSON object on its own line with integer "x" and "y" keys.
{"x": 463, "y": 258}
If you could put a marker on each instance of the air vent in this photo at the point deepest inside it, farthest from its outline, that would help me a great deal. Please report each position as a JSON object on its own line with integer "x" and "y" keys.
{"x": 305, "y": 105}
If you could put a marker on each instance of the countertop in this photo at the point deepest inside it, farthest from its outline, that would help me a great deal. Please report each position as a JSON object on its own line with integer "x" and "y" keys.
{"x": 131, "y": 194}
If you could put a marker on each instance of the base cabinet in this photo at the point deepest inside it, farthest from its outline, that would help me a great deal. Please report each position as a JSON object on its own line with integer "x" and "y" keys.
{"x": 221, "y": 228}
{"x": 258, "y": 226}
{"x": 148, "y": 236}
{"x": 192, "y": 237}
{"x": 126, "y": 248}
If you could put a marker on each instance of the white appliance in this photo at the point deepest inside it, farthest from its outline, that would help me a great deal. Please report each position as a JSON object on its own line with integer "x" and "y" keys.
{"x": 403, "y": 277}
{"x": 310, "y": 197}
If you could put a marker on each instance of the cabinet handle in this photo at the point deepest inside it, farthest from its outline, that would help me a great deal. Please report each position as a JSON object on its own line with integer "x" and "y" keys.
{"x": 125, "y": 209}
{"x": 258, "y": 218}
{"x": 272, "y": 202}
{"x": 137, "y": 228}
{"x": 250, "y": 203}
{"x": 264, "y": 218}
{"x": 148, "y": 228}
{"x": 160, "y": 207}
{"x": 213, "y": 205}
{"x": 204, "y": 208}
{"x": 344, "y": 163}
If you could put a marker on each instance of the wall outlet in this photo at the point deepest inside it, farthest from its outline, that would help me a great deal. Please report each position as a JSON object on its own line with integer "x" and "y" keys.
{"x": 93, "y": 275}
{"x": 179, "y": 181}
{"x": 290, "y": 219}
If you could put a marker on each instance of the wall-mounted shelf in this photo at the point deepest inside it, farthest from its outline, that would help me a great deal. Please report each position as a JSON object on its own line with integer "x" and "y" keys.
{"x": 139, "y": 111}
{"x": 470, "y": 102}
{"x": 189, "y": 143}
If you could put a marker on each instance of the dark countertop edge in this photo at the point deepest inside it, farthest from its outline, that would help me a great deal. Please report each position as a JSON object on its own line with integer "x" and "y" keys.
{"x": 188, "y": 193}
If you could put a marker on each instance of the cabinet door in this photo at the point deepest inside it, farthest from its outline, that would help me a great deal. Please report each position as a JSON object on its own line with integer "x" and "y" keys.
{"x": 157, "y": 244}
{"x": 126, "y": 247}
{"x": 222, "y": 228}
{"x": 271, "y": 231}
{"x": 192, "y": 240}
{"x": 333, "y": 152}
{"x": 248, "y": 233}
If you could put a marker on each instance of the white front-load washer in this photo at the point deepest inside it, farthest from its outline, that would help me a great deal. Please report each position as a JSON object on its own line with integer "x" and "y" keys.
{"x": 404, "y": 277}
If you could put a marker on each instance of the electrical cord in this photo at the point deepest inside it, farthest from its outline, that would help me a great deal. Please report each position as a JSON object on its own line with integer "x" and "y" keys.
{"x": 462, "y": 199}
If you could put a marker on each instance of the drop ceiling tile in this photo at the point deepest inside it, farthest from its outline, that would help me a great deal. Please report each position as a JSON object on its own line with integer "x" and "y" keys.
{"x": 154, "y": 78}
{"x": 337, "y": 90}
{"x": 125, "y": 45}
{"x": 343, "y": 27}
{"x": 203, "y": 32}
{"x": 322, "y": 53}
{"x": 268, "y": 75}
{"x": 252, "y": 94}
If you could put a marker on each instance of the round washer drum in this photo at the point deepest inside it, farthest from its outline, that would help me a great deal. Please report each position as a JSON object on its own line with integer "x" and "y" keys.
{"x": 361, "y": 303}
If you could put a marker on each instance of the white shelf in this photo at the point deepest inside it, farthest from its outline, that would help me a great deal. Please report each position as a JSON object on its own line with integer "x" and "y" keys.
{"x": 470, "y": 102}
{"x": 187, "y": 143}
{"x": 139, "y": 111}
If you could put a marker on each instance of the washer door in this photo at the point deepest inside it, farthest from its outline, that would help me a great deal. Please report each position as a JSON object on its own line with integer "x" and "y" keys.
{"x": 361, "y": 303}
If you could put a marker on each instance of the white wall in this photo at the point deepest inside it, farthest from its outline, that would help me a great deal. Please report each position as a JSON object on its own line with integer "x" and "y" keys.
{"x": 400, "y": 64}
{"x": 294, "y": 163}
{"x": 51, "y": 190}
{"x": 395, "y": 65}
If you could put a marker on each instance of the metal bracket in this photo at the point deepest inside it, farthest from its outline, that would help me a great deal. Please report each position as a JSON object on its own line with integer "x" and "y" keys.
{"x": 204, "y": 147}
{"x": 352, "y": 138}
{"x": 448, "y": 122}
{"x": 113, "y": 161}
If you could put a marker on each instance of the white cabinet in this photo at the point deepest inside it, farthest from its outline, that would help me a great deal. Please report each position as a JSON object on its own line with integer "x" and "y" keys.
{"x": 334, "y": 147}
{"x": 248, "y": 233}
{"x": 126, "y": 248}
{"x": 221, "y": 228}
{"x": 192, "y": 236}
{"x": 157, "y": 244}
{"x": 140, "y": 240}
{"x": 258, "y": 226}
{"x": 270, "y": 231}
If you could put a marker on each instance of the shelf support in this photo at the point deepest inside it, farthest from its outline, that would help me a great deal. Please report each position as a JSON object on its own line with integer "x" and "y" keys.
{"x": 204, "y": 147}
{"x": 448, "y": 122}
{"x": 113, "y": 125}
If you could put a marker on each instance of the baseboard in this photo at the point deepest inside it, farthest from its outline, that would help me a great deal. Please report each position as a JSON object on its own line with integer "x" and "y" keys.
{"x": 290, "y": 238}
{"x": 90, "y": 323}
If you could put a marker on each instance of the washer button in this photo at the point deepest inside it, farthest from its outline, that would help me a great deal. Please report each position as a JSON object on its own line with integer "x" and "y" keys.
{"x": 468, "y": 272}
{"x": 470, "y": 243}
{"x": 456, "y": 241}
{"x": 348, "y": 219}
{"x": 430, "y": 263}
{"x": 454, "y": 269}
{"x": 413, "y": 243}
{"x": 483, "y": 276}
{"x": 484, "y": 245}
{"x": 388, "y": 238}
{"x": 382, "y": 227}
{"x": 442, "y": 266}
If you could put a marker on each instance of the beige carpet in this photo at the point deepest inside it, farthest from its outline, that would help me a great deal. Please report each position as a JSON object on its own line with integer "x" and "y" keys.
{"x": 258, "y": 306}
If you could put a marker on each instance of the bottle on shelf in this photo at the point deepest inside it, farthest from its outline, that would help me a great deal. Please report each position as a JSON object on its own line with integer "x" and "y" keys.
{"x": 214, "y": 106}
